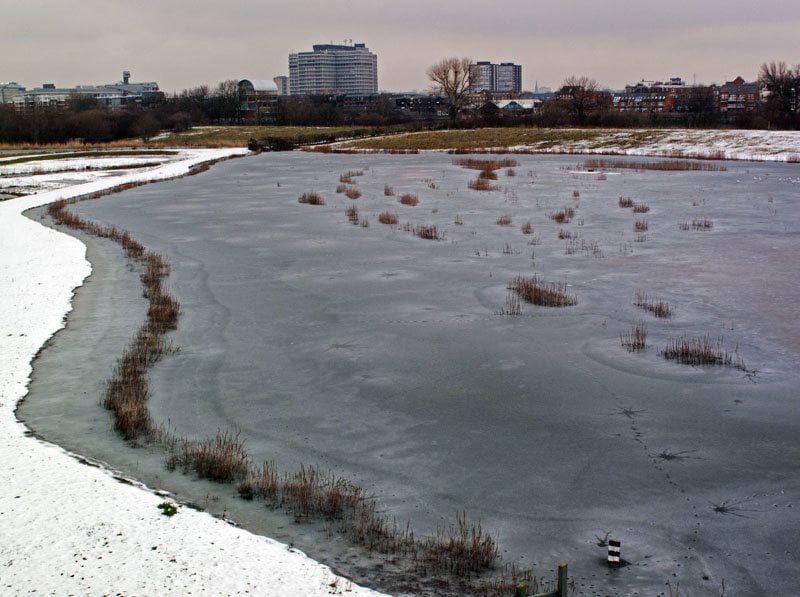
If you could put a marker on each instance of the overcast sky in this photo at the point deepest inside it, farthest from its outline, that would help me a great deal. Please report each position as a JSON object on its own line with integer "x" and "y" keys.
{"x": 185, "y": 43}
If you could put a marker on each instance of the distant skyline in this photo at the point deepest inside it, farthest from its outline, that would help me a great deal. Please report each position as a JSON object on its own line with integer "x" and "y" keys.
{"x": 183, "y": 43}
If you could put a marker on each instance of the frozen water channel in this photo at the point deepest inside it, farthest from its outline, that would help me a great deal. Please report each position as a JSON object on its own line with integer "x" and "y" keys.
{"x": 381, "y": 356}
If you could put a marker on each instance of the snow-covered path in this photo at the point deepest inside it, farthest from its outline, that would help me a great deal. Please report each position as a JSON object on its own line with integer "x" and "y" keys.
{"x": 71, "y": 529}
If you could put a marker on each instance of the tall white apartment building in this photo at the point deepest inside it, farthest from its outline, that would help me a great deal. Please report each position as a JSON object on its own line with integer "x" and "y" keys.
{"x": 329, "y": 68}
{"x": 505, "y": 77}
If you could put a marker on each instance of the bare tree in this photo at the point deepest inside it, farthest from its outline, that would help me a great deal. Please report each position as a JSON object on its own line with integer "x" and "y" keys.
{"x": 451, "y": 78}
{"x": 783, "y": 84}
{"x": 582, "y": 93}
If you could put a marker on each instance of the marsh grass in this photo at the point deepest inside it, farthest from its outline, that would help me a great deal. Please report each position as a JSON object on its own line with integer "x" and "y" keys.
{"x": 563, "y": 216}
{"x": 512, "y": 306}
{"x": 545, "y": 294}
{"x": 388, "y": 191}
{"x": 703, "y": 224}
{"x": 625, "y": 201}
{"x": 352, "y": 193}
{"x": 702, "y": 351}
{"x": 641, "y": 208}
{"x": 487, "y": 165}
{"x": 663, "y": 165}
{"x": 347, "y": 177}
{"x": 488, "y": 175}
{"x": 636, "y": 339}
{"x": 409, "y": 199}
{"x": 430, "y": 232}
{"x": 527, "y": 228}
{"x": 504, "y": 220}
{"x": 311, "y": 199}
{"x": 481, "y": 184}
{"x": 640, "y": 226}
{"x": 221, "y": 458}
{"x": 657, "y": 307}
{"x": 386, "y": 217}
{"x": 352, "y": 214}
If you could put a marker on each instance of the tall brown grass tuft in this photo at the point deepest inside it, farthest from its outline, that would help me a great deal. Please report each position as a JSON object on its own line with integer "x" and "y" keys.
{"x": 636, "y": 339}
{"x": 311, "y": 199}
{"x": 657, "y": 307}
{"x": 527, "y": 228}
{"x": 481, "y": 184}
{"x": 504, "y": 220}
{"x": 625, "y": 201}
{"x": 352, "y": 214}
{"x": 386, "y": 217}
{"x": 352, "y": 193}
{"x": 563, "y": 216}
{"x": 429, "y": 232}
{"x": 408, "y": 199}
{"x": 545, "y": 294}
{"x": 348, "y": 176}
{"x": 221, "y": 458}
{"x": 388, "y": 191}
{"x": 488, "y": 175}
{"x": 641, "y": 208}
{"x": 460, "y": 549}
{"x": 702, "y": 351}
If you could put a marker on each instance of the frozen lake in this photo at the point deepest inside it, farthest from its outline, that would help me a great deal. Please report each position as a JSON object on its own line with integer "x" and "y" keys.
{"x": 380, "y": 355}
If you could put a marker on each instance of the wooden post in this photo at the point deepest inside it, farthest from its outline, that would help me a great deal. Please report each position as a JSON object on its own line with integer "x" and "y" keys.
{"x": 562, "y": 579}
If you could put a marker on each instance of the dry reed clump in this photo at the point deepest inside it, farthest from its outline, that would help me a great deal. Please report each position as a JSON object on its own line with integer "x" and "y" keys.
{"x": 640, "y": 225}
{"x": 636, "y": 339}
{"x": 576, "y": 194}
{"x": 702, "y": 224}
{"x": 504, "y": 220}
{"x": 481, "y": 184}
{"x": 657, "y": 307}
{"x": 685, "y": 226}
{"x": 511, "y": 172}
{"x": 664, "y": 165}
{"x": 566, "y": 234}
{"x": 486, "y": 165}
{"x": 641, "y": 208}
{"x": 460, "y": 549}
{"x": 527, "y": 228}
{"x": 352, "y": 193}
{"x": 702, "y": 351}
{"x": 512, "y": 307}
{"x": 458, "y": 220}
{"x": 408, "y": 199}
{"x": 348, "y": 176}
{"x": 488, "y": 175}
{"x": 429, "y": 232}
{"x": 386, "y": 217}
{"x": 545, "y": 294}
{"x": 221, "y": 458}
{"x": 311, "y": 199}
{"x": 341, "y": 188}
{"x": 625, "y": 201}
{"x": 388, "y": 191}
{"x": 563, "y": 216}
{"x": 352, "y": 214}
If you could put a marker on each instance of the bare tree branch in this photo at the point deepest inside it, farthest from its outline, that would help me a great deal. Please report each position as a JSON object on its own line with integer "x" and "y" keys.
{"x": 451, "y": 78}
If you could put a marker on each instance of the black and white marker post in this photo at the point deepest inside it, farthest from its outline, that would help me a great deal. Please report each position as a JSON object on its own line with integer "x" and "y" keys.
{"x": 614, "y": 558}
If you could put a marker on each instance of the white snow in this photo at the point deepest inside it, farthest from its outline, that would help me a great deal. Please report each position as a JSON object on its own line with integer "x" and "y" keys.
{"x": 67, "y": 528}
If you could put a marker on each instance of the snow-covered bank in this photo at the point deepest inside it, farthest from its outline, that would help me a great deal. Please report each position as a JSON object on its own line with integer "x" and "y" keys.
{"x": 68, "y": 528}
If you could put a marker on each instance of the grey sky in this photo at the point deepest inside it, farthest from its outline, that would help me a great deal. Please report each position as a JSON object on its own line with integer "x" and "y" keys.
{"x": 184, "y": 43}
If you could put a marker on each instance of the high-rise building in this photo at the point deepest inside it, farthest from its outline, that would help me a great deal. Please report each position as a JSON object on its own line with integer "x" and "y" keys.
{"x": 505, "y": 77}
{"x": 330, "y": 68}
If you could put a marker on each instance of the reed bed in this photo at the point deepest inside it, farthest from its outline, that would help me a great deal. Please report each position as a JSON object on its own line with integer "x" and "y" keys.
{"x": 636, "y": 339}
{"x": 527, "y": 228}
{"x": 512, "y": 306}
{"x": 221, "y": 458}
{"x": 544, "y": 294}
{"x": 703, "y": 224}
{"x": 657, "y": 307}
{"x": 504, "y": 220}
{"x": 703, "y": 351}
{"x": 663, "y": 165}
{"x": 488, "y": 175}
{"x": 640, "y": 226}
{"x": 388, "y": 191}
{"x": 641, "y": 208}
{"x": 625, "y": 201}
{"x": 408, "y": 199}
{"x": 486, "y": 165}
{"x": 311, "y": 199}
